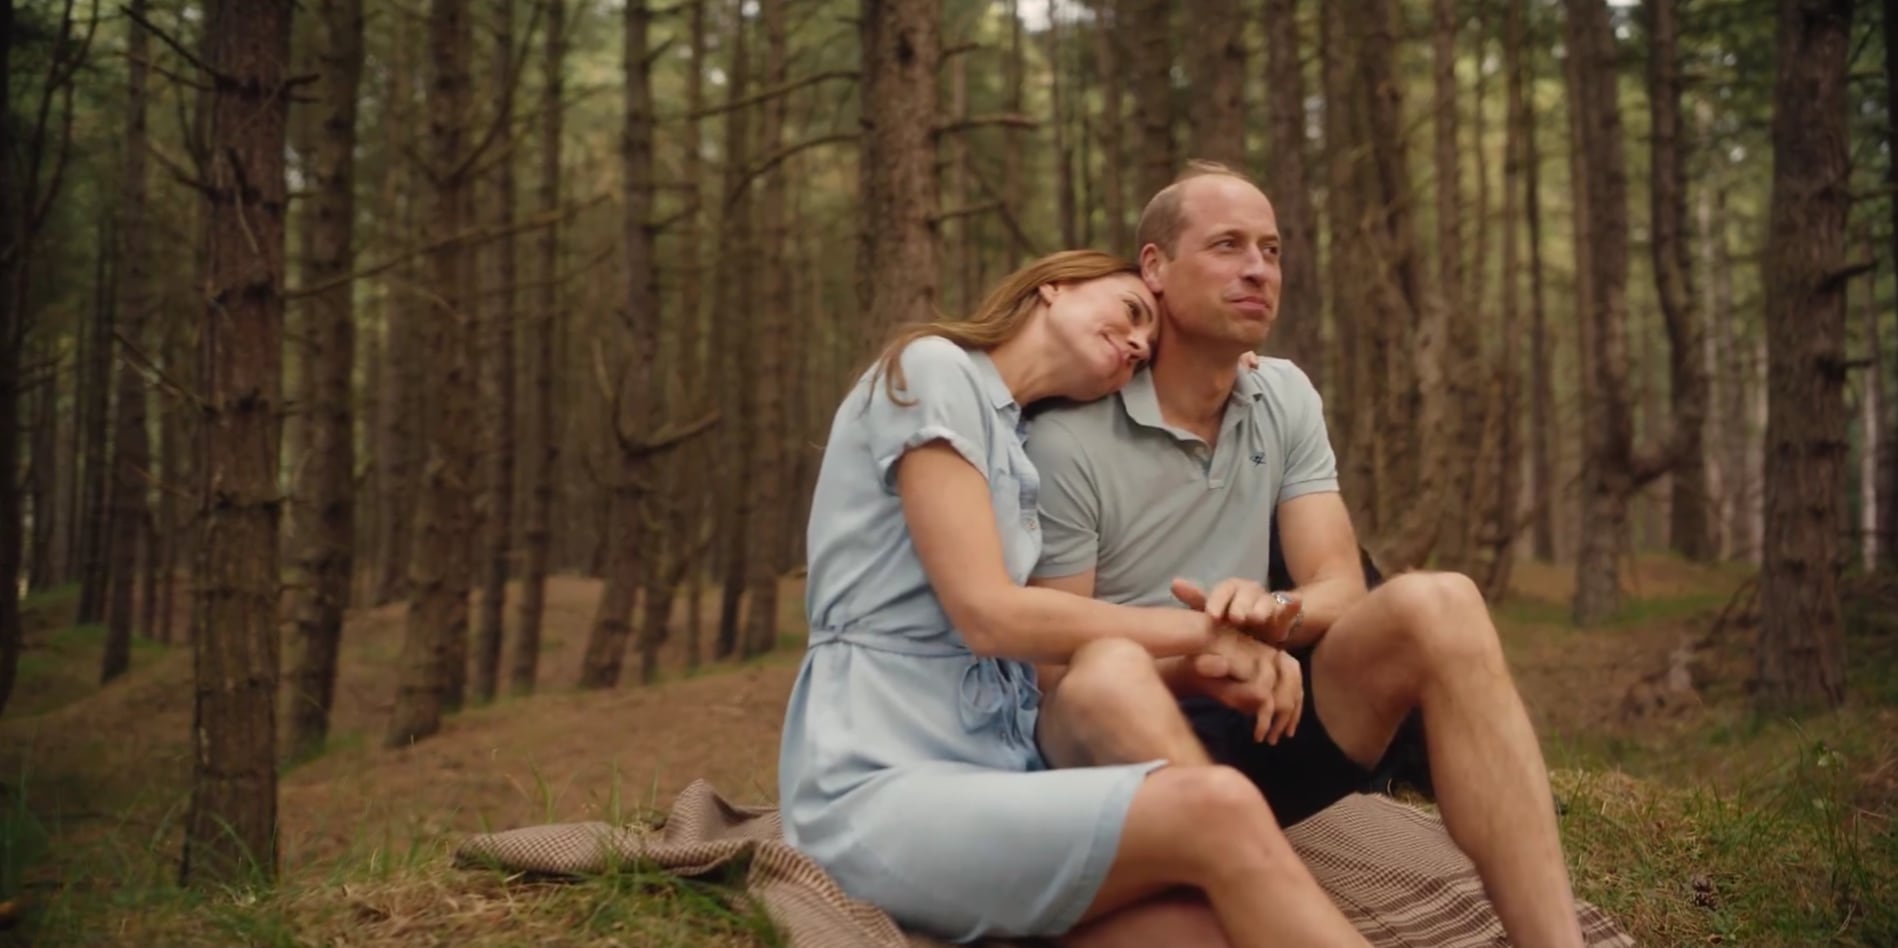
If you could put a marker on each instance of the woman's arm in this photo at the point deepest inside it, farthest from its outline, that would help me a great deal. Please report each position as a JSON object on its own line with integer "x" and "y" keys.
{"x": 946, "y": 503}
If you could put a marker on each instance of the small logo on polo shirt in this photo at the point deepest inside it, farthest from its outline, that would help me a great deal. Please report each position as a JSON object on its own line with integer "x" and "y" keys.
{"x": 1259, "y": 458}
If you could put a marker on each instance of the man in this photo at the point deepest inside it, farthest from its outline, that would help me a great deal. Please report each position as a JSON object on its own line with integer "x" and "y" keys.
{"x": 1181, "y": 475}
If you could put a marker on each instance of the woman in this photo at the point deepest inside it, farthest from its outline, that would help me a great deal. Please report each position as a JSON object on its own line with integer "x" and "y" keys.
{"x": 908, "y": 767}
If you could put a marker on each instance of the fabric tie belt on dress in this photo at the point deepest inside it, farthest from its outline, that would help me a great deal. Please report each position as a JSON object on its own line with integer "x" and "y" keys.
{"x": 994, "y": 693}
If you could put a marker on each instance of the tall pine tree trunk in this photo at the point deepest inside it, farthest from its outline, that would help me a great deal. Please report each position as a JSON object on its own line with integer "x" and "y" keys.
{"x": 131, "y": 446}
{"x": 1409, "y": 319}
{"x": 326, "y": 540}
{"x": 1216, "y": 61}
{"x": 1690, "y": 526}
{"x": 542, "y": 443}
{"x": 1888, "y": 481}
{"x": 1109, "y": 59}
{"x": 1149, "y": 73}
{"x": 1462, "y": 370}
{"x": 1802, "y": 643}
{"x": 401, "y": 393}
{"x": 1504, "y": 516}
{"x": 497, "y": 388}
{"x": 12, "y": 343}
{"x": 95, "y": 517}
{"x": 736, "y": 275}
{"x": 901, "y": 45}
{"x": 1542, "y": 491}
{"x": 766, "y": 353}
{"x": 231, "y": 824}
{"x": 627, "y": 554}
{"x": 1300, "y": 330}
{"x": 434, "y": 659}
{"x": 1609, "y": 474}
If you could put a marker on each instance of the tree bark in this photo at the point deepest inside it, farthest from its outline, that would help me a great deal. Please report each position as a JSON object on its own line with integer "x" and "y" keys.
{"x": 402, "y": 394}
{"x": 1301, "y": 298}
{"x": 1504, "y": 517}
{"x": 1802, "y": 644}
{"x": 497, "y": 388}
{"x": 95, "y": 516}
{"x": 1356, "y": 391}
{"x": 1150, "y": 75}
{"x": 735, "y": 285}
{"x": 901, "y": 46}
{"x": 12, "y": 343}
{"x": 1462, "y": 370}
{"x": 131, "y": 446}
{"x": 765, "y": 352}
{"x": 1410, "y": 320}
{"x": 434, "y": 657}
{"x": 1690, "y": 528}
{"x": 1609, "y": 477}
{"x": 1216, "y": 60}
{"x": 1888, "y": 480}
{"x": 231, "y": 825}
{"x": 1871, "y": 403}
{"x": 1739, "y": 473}
{"x": 686, "y": 484}
{"x": 45, "y": 558}
{"x": 542, "y": 444}
{"x": 627, "y": 553}
{"x": 1109, "y": 60}
{"x": 327, "y": 537}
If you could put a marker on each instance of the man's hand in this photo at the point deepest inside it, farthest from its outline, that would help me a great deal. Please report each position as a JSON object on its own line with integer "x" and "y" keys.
{"x": 1245, "y": 605}
{"x": 1255, "y": 679}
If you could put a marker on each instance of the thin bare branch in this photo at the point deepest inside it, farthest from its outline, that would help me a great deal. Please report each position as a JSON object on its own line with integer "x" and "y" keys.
{"x": 766, "y": 94}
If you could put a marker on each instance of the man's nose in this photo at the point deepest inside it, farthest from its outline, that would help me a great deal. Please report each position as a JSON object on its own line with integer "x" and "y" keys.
{"x": 1255, "y": 267}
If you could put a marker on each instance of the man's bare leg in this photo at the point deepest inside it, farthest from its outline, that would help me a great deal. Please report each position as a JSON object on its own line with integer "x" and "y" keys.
{"x": 1426, "y": 640}
{"x": 1110, "y": 707}
{"x": 1191, "y": 824}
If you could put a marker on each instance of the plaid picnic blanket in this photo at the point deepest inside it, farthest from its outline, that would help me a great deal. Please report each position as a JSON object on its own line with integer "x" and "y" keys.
{"x": 1390, "y": 868}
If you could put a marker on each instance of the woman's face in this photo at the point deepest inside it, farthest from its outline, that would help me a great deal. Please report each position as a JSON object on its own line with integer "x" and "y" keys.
{"x": 1106, "y": 326}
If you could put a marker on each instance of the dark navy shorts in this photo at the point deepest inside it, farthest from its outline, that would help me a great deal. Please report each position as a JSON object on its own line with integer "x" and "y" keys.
{"x": 1306, "y": 772}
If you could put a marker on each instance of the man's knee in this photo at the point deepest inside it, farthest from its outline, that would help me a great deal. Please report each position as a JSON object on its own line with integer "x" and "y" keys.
{"x": 1102, "y": 674}
{"x": 1441, "y": 618}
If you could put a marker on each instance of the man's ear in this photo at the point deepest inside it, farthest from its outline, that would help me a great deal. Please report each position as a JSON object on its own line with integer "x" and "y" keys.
{"x": 1153, "y": 268}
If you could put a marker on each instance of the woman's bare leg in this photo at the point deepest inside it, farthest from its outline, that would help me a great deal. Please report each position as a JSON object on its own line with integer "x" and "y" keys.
{"x": 1209, "y": 828}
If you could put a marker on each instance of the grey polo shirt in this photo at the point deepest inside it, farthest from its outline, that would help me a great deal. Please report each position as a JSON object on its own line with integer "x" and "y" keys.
{"x": 1143, "y": 502}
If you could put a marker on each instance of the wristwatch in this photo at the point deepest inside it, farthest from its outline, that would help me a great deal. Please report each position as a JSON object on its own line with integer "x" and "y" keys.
{"x": 1298, "y": 618}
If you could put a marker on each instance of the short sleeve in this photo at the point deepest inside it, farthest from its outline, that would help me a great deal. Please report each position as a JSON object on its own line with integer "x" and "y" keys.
{"x": 1070, "y": 501}
{"x": 1310, "y": 465}
{"x": 942, "y": 401}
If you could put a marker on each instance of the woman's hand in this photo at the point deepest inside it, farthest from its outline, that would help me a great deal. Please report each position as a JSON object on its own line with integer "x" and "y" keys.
{"x": 1254, "y": 679}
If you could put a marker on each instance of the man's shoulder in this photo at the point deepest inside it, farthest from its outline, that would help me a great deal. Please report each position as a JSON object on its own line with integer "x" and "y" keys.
{"x": 1280, "y": 377}
{"x": 1064, "y": 433}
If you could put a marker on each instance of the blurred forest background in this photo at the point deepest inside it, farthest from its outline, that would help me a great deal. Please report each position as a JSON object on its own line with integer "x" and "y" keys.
{"x": 366, "y": 304}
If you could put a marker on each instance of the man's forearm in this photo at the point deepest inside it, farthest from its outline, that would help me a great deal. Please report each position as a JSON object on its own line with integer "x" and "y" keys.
{"x": 1324, "y": 599}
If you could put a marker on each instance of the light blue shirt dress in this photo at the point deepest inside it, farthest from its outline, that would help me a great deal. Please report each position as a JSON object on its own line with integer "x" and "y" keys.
{"x": 908, "y": 767}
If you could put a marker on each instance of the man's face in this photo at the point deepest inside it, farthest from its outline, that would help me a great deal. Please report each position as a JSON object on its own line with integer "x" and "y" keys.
{"x": 1222, "y": 283}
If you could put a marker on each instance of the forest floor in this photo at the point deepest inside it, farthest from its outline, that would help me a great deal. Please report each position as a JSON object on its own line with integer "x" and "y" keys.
{"x": 1690, "y": 818}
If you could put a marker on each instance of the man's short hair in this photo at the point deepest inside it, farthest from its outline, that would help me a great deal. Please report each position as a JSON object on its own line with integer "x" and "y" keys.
{"x": 1161, "y": 221}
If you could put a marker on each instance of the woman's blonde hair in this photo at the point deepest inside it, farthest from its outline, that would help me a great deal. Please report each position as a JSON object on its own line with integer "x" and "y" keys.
{"x": 1003, "y": 313}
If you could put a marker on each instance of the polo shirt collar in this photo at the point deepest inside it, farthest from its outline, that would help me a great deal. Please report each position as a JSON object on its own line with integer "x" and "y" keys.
{"x": 1142, "y": 402}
